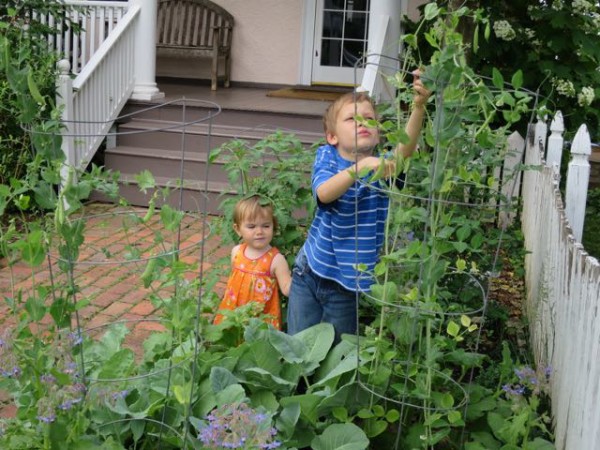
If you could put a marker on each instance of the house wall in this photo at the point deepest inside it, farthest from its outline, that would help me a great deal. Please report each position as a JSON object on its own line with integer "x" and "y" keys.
{"x": 267, "y": 43}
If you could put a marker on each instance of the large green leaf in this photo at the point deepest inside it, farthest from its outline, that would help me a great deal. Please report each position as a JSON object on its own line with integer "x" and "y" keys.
{"x": 118, "y": 365}
{"x": 346, "y": 436}
{"x": 348, "y": 364}
{"x": 287, "y": 420}
{"x": 308, "y": 405}
{"x": 265, "y": 380}
{"x": 291, "y": 348}
{"x": 259, "y": 354}
{"x": 233, "y": 393}
{"x": 220, "y": 378}
{"x": 335, "y": 357}
{"x": 317, "y": 340}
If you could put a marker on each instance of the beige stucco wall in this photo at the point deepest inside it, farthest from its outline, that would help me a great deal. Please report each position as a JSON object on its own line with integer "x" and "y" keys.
{"x": 266, "y": 44}
{"x": 412, "y": 11}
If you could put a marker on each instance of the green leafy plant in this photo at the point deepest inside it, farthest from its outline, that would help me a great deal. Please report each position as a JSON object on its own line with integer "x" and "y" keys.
{"x": 274, "y": 168}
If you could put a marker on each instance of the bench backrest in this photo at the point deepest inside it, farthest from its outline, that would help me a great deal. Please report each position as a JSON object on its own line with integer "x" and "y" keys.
{"x": 191, "y": 23}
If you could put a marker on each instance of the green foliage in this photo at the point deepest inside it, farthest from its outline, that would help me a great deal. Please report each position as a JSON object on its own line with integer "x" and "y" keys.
{"x": 27, "y": 92}
{"x": 591, "y": 241}
{"x": 277, "y": 168}
{"x": 406, "y": 380}
{"x": 554, "y": 43}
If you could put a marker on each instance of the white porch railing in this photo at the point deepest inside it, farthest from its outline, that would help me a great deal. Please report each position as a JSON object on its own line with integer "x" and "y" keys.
{"x": 96, "y": 96}
{"x": 563, "y": 286}
{"x": 96, "y": 19}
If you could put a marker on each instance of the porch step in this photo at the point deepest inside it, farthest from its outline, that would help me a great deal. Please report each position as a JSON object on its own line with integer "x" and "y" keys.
{"x": 195, "y": 196}
{"x": 160, "y": 141}
{"x": 168, "y": 135}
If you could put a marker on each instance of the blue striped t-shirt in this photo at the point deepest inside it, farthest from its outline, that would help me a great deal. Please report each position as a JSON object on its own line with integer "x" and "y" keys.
{"x": 347, "y": 231}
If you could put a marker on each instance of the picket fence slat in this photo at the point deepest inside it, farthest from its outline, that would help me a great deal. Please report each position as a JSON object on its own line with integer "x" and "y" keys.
{"x": 563, "y": 289}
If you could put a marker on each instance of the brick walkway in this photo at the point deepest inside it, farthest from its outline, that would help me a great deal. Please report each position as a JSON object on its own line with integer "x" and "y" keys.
{"x": 107, "y": 274}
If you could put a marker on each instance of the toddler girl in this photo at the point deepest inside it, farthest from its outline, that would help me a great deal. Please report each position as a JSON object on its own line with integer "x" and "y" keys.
{"x": 257, "y": 268}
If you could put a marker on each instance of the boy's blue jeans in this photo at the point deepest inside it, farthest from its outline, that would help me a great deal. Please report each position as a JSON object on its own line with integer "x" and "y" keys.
{"x": 313, "y": 300}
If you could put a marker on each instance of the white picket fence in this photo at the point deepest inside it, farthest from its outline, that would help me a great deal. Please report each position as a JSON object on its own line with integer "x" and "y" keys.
{"x": 563, "y": 284}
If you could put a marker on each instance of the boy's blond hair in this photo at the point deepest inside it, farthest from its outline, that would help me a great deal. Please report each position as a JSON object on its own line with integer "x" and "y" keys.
{"x": 333, "y": 110}
{"x": 252, "y": 207}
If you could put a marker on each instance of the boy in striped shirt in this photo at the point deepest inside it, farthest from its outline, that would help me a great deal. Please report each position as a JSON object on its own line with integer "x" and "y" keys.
{"x": 348, "y": 228}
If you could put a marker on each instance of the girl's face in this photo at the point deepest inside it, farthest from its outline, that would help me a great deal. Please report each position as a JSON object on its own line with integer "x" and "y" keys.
{"x": 349, "y": 136}
{"x": 256, "y": 232}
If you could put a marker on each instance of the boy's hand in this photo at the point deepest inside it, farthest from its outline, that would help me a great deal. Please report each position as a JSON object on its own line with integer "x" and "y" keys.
{"x": 421, "y": 92}
{"x": 383, "y": 168}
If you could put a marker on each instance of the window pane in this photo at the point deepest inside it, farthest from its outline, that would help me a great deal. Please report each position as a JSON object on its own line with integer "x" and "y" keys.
{"x": 353, "y": 50}
{"x": 356, "y": 24}
{"x": 334, "y": 4}
{"x": 331, "y": 52}
{"x": 358, "y": 5}
{"x": 332, "y": 24}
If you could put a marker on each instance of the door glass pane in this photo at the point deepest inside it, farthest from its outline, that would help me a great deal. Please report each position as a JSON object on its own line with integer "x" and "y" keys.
{"x": 331, "y": 52}
{"x": 358, "y": 5}
{"x": 355, "y": 26}
{"x": 333, "y": 23}
{"x": 344, "y": 32}
{"x": 334, "y": 4}
{"x": 353, "y": 50}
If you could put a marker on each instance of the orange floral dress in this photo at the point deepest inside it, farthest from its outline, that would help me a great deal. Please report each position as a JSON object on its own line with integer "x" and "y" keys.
{"x": 251, "y": 281}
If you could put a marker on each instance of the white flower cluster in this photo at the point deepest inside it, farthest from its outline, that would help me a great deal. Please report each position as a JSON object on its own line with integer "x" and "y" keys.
{"x": 564, "y": 87}
{"x": 582, "y": 6}
{"x": 586, "y": 96}
{"x": 557, "y": 5}
{"x": 529, "y": 33}
{"x": 503, "y": 30}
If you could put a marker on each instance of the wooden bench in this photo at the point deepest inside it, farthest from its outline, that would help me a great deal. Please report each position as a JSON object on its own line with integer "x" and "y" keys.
{"x": 196, "y": 28}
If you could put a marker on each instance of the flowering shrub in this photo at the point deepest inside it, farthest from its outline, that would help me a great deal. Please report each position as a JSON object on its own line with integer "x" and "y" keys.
{"x": 556, "y": 44}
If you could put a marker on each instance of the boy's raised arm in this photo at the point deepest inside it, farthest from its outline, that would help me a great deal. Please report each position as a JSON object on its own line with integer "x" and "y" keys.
{"x": 415, "y": 121}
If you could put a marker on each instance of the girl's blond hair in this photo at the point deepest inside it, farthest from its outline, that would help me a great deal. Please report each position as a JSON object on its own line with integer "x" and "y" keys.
{"x": 252, "y": 207}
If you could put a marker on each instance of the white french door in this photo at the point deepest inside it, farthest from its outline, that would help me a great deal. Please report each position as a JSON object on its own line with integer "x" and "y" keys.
{"x": 340, "y": 40}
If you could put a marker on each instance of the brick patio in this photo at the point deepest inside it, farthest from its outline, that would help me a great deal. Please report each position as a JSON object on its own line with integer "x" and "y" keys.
{"x": 107, "y": 274}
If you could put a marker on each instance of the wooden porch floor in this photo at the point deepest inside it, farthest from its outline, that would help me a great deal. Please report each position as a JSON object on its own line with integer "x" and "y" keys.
{"x": 242, "y": 98}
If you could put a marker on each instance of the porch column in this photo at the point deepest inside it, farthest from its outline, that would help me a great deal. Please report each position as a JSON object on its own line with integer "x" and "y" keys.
{"x": 394, "y": 9}
{"x": 383, "y": 46}
{"x": 145, "y": 52}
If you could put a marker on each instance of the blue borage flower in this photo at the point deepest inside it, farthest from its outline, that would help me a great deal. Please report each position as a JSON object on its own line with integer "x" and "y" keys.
{"x": 238, "y": 426}
{"x": 48, "y": 378}
{"x": 75, "y": 338}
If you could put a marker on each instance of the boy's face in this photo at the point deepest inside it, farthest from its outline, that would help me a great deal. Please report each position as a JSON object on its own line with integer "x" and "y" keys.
{"x": 350, "y": 137}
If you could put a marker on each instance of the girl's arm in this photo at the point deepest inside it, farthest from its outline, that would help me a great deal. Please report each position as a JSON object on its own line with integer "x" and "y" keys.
{"x": 234, "y": 250}
{"x": 281, "y": 270}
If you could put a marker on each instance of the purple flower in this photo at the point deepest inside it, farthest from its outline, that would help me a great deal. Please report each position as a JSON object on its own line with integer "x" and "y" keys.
{"x": 238, "y": 426}
{"x": 119, "y": 394}
{"x": 47, "y": 419}
{"x": 48, "y": 378}
{"x": 516, "y": 390}
{"x": 75, "y": 337}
